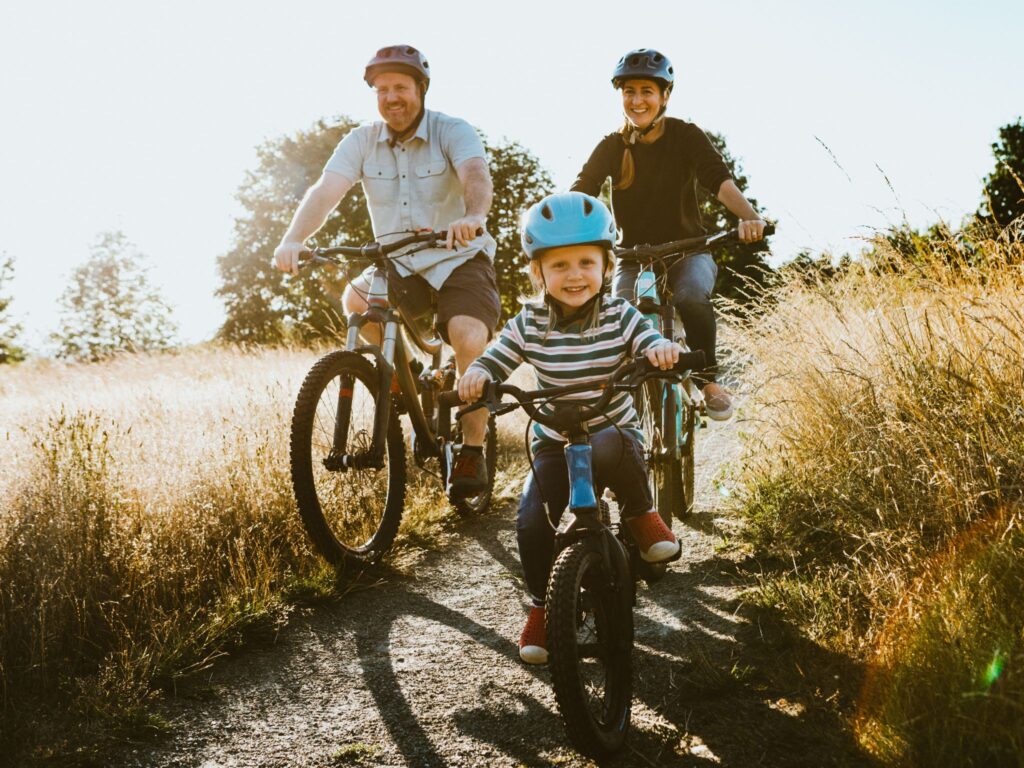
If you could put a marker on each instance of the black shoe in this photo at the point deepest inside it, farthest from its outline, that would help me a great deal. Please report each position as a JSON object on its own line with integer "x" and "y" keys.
{"x": 469, "y": 475}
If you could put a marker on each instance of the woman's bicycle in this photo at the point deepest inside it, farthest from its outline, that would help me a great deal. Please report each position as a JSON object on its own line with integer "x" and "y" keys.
{"x": 671, "y": 413}
{"x": 592, "y": 587}
{"x": 348, "y": 452}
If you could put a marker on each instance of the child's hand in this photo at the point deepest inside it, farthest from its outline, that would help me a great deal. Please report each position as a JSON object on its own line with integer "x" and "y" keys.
{"x": 664, "y": 355}
{"x": 471, "y": 385}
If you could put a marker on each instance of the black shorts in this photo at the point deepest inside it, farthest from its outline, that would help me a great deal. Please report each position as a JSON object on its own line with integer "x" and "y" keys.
{"x": 472, "y": 290}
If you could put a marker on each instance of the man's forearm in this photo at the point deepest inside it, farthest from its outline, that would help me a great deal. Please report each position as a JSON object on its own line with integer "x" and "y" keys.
{"x": 478, "y": 193}
{"x": 310, "y": 216}
{"x": 320, "y": 199}
{"x": 731, "y": 197}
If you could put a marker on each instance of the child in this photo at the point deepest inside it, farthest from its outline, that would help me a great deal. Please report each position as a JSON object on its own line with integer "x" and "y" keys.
{"x": 575, "y": 332}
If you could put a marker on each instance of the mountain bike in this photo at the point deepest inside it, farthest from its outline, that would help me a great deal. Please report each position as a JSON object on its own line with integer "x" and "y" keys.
{"x": 671, "y": 413}
{"x": 348, "y": 451}
{"x": 592, "y": 587}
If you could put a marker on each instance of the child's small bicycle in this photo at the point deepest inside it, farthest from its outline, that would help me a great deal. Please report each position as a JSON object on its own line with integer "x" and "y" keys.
{"x": 670, "y": 413}
{"x": 348, "y": 454}
{"x": 592, "y": 587}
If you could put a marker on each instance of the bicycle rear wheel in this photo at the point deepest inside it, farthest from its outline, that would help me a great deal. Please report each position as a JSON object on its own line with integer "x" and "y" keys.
{"x": 687, "y": 458}
{"x": 590, "y": 643}
{"x": 351, "y": 513}
{"x": 655, "y": 404}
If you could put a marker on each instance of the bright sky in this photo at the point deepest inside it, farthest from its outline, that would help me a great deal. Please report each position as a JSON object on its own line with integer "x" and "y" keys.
{"x": 144, "y": 117}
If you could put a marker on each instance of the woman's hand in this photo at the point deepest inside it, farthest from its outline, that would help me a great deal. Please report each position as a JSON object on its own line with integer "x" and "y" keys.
{"x": 750, "y": 230}
{"x": 471, "y": 385}
{"x": 664, "y": 354}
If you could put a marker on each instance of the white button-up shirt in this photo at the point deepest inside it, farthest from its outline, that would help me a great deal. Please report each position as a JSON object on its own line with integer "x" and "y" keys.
{"x": 412, "y": 185}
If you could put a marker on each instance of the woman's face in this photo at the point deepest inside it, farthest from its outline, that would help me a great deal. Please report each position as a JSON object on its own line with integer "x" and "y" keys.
{"x": 572, "y": 274}
{"x": 641, "y": 101}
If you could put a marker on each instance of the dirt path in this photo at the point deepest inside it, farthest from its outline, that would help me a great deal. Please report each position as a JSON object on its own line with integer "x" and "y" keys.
{"x": 423, "y": 670}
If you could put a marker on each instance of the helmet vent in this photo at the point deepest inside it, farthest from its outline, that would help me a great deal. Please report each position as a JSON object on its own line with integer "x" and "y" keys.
{"x": 545, "y": 211}
{"x": 528, "y": 238}
{"x": 587, "y": 207}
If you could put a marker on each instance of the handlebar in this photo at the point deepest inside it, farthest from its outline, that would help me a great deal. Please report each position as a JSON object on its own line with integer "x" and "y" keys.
{"x": 374, "y": 249}
{"x": 684, "y": 247}
{"x": 635, "y": 371}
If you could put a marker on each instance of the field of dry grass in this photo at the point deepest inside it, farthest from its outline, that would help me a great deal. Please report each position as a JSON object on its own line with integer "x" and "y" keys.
{"x": 147, "y": 521}
{"x": 889, "y": 429}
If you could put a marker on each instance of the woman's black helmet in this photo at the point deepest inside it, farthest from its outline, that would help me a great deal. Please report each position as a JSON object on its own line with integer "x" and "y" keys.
{"x": 644, "y": 64}
{"x": 399, "y": 58}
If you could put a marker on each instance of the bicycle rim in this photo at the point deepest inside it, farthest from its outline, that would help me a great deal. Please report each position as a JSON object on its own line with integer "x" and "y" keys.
{"x": 589, "y": 634}
{"x": 350, "y": 513}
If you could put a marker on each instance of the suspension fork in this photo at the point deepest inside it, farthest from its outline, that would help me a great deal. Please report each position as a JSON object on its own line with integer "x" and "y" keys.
{"x": 384, "y": 356}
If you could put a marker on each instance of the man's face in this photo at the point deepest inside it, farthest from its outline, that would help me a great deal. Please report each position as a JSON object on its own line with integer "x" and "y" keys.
{"x": 398, "y": 99}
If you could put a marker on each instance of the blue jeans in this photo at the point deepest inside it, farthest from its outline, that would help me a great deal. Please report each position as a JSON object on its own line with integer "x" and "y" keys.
{"x": 618, "y": 464}
{"x": 692, "y": 280}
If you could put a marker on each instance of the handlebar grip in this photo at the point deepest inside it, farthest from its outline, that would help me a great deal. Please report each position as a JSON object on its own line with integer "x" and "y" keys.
{"x": 688, "y": 361}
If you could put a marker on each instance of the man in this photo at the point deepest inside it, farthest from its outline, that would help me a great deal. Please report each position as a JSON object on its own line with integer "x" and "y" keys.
{"x": 420, "y": 169}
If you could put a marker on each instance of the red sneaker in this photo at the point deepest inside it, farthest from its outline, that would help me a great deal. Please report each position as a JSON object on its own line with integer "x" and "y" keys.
{"x": 656, "y": 541}
{"x": 533, "y": 642}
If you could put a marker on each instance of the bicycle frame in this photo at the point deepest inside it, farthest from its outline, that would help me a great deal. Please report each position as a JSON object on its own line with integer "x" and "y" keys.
{"x": 393, "y": 366}
{"x": 676, "y": 398}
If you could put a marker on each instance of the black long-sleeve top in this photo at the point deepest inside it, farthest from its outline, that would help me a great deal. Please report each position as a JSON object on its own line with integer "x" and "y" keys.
{"x": 661, "y": 204}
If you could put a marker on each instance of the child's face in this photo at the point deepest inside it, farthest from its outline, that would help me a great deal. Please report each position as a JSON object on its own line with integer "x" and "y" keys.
{"x": 641, "y": 101}
{"x": 573, "y": 274}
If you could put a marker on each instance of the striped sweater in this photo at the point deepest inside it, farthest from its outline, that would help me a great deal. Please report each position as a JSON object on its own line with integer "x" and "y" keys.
{"x": 570, "y": 354}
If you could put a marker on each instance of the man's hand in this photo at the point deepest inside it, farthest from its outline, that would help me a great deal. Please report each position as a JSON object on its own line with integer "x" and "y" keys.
{"x": 463, "y": 230}
{"x": 471, "y": 385}
{"x": 750, "y": 230}
{"x": 286, "y": 256}
{"x": 664, "y": 354}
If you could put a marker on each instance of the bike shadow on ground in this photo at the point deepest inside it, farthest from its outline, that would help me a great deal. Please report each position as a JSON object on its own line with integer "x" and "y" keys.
{"x": 714, "y": 679}
{"x": 384, "y": 679}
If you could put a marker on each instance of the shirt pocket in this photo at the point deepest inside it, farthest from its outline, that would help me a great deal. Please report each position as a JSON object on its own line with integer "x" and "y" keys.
{"x": 380, "y": 183}
{"x": 432, "y": 182}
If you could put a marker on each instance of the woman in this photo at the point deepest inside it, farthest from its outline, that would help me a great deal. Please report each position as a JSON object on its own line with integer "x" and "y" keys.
{"x": 654, "y": 162}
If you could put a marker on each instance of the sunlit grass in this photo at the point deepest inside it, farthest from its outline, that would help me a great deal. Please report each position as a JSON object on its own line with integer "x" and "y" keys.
{"x": 147, "y": 522}
{"x": 886, "y": 406}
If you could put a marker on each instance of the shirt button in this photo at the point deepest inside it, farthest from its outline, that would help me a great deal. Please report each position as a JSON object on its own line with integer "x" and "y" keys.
{"x": 403, "y": 175}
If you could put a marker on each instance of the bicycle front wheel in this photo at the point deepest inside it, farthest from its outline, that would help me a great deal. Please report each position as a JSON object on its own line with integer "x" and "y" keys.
{"x": 656, "y": 403}
{"x": 590, "y": 644}
{"x": 350, "y": 512}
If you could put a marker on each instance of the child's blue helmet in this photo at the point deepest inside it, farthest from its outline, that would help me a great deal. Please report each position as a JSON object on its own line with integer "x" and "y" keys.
{"x": 567, "y": 218}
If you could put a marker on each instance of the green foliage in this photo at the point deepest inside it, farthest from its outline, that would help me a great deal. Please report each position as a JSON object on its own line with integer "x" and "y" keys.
{"x": 10, "y": 352}
{"x": 110, "y": 307}
{"x": 519, "y": 182}
{"x": 1004, "y": 186}
{"x": 265, "y": 306}
{"x": 741, "y": 263}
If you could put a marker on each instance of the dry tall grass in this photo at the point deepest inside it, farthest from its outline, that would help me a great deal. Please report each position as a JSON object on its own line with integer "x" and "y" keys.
{"x": 886, "y": 402}
{"x": 147, "y": 517}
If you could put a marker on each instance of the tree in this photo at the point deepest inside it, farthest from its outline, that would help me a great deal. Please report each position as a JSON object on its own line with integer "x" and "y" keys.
{"x": 1004, "y": 186}
{"x": 110, "y": 307}
{"x": 10, "y": 352}
{"x": 265, "y": 306}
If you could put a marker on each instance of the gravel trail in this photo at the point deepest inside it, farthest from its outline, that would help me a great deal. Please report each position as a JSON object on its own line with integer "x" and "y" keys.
{"x": 422, "y": 669}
